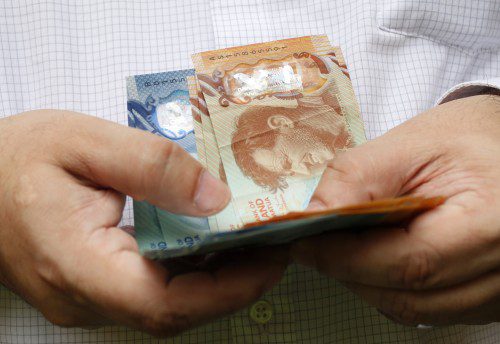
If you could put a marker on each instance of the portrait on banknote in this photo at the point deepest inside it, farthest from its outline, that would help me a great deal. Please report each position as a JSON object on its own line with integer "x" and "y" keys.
{"x": 271, "y": 144}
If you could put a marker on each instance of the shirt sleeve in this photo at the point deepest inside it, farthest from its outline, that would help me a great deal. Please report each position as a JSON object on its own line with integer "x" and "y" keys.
{"x": 471, "y": 88}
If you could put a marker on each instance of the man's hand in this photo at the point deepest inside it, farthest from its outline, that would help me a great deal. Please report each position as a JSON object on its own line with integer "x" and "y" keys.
{"x": 63, "y": 177}
{"x": 444, "y": 267}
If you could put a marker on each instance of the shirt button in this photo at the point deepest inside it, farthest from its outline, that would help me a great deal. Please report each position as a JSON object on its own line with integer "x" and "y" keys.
{"x": 261, "y": 312}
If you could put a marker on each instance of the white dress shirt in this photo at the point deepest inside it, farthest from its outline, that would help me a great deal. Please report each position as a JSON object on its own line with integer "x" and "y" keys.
{"x": 403, "y": 57}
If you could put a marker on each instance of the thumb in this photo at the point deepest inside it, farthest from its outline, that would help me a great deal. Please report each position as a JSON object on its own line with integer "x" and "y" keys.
{"x": 381, "y": 168}
{"x": 142, "y": 165}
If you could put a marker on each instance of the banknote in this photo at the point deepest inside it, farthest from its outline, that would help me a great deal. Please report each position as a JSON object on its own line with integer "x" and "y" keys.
{"x": 197, "y": 125}
{"x": 159, "y": 103}
{"x": 377, "y": 214}
{"x": 200, "y": 138}
{"x": 227, "y": 219}
{"x": 264, "y": 119}
{"x": 280, "y": 110}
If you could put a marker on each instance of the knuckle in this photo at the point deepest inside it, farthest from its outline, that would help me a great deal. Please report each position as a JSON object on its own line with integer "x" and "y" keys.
{"x": 346, "y": 167}
{"x": 160, "y": 161}
{"x": 415, "y": 271}
{"x": 127, "y": 242}
{"x": 50, "y": 274}
{"x": 169, "y": 160}
{"x": 344, "y": 178}
{"x": 48, "y": 271}
{"x": 237, "y": 299}
{"x": 25, "y": 191}
{"x": 257, "y": 291}
{"x": 166, "y": 323}
{"x": 403, "y": 308}
{"x": 356, "y": 167}
{"x": 166, "y": 151}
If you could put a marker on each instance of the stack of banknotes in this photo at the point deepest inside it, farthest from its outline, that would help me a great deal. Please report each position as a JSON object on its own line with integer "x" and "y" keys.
{"x": 264, "y": 118}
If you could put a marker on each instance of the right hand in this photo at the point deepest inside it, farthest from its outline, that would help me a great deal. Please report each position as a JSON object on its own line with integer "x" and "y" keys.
{"x": 63, "y": 178}
{"x": 443, "y": 266}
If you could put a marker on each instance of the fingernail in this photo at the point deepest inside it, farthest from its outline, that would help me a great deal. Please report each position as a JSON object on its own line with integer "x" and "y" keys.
{"x": 316, "y": 205}
{"x": 211, "y": 194}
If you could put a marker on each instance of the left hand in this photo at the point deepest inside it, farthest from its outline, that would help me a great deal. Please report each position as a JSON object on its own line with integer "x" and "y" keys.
{"x": 63, "y": 177}
{"x": 444, "y": 267}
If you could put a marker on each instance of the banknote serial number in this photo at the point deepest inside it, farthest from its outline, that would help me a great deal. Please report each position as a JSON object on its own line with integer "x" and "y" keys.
{"x": 164, "y": 82}
{"x": 247, "y": 53}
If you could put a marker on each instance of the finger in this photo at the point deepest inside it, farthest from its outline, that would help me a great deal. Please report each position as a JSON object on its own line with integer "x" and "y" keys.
{"x": 231, "y": 281}
{"x": 55, "y": 306}
{"x": 137, "y": 292}
{"x": 142, "y": 165}
{"x": 440, "y": 248}
{"x": 64, "y": 313}
{"x": 345, "y": 182}
{"x": 385, "y": 167}
{"x": 474, "y": 302}
{"x": 109, "y": 277}
{"x": 387, "y": 258}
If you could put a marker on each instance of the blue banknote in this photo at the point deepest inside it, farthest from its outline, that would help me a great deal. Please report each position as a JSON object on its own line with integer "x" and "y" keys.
{"x": 159, "y": 103}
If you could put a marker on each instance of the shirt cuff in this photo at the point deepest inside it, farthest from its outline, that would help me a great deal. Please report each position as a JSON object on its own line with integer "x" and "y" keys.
{"x": 471, "y": 88}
